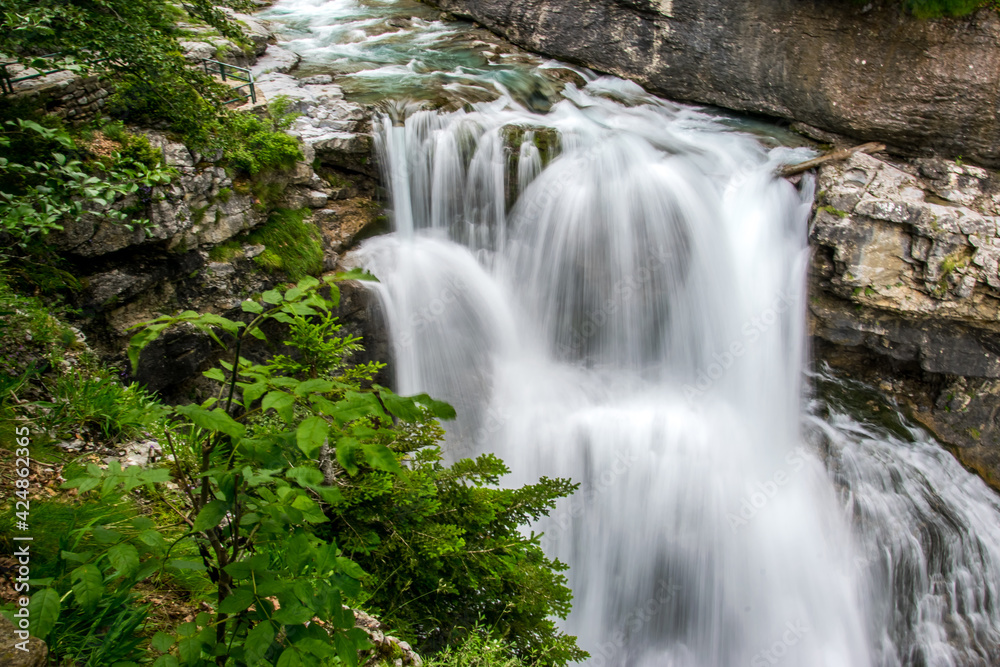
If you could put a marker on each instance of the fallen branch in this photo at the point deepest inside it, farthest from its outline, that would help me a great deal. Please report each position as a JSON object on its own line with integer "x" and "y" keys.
{"x": 832, "y": 156}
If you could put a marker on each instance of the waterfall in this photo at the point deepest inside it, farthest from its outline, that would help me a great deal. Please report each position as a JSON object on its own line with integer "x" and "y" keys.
{"x": 611, "y": 288}
{"x": 625, "y": 308}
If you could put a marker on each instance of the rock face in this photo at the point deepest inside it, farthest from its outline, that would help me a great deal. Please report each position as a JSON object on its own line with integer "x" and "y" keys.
{"x": 10, "y": 656}
{"x": 866, "y": 70}
{"x": 905, "y": 277}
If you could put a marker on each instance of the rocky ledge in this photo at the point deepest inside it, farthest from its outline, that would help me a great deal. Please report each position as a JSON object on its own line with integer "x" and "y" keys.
{"x": 865, "y": 69}
{"x": 905, "y": 291}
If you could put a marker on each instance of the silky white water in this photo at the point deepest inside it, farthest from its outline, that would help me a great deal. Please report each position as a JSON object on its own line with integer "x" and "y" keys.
{"x": 612, "y": 291}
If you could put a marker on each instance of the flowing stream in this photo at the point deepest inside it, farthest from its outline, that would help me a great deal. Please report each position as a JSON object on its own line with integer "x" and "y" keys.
{"x": 610, "y": 287}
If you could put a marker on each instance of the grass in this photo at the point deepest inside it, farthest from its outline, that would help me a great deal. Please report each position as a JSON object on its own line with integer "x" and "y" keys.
{"x": 292, "y": 245}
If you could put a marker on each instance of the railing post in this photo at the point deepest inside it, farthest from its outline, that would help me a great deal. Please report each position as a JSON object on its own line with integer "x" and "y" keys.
{"x": 253, "y": 91}
{"x": 222, "y": 71}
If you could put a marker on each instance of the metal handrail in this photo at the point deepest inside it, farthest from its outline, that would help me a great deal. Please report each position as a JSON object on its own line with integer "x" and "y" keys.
{"x": 225, "y": 70}
{"x": 7, "y": 83}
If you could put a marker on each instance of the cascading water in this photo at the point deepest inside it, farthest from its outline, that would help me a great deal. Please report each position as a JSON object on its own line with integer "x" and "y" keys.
{"x": 612, "y": 290}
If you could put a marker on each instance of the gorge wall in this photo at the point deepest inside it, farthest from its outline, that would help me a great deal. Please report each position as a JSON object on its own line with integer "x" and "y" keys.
{"x": 865, "y": 70}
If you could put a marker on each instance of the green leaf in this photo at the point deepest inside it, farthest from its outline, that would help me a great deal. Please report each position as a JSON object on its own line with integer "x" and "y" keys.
{"x": 293, "y": 613}
{"x": 311, "y": 434}
{"x": 252, "y": 307}
{"x": 271, "y": 296}
{"x": 307, "y": 477}
{"x": 258, "y": 641}
{"x": 314, "y": 386}
{"x": 162, "y": 642}
{"x": 189, "y": 649}
{"x": 281, "y": 402}
{"x": 212, "y": 420}
{"x": 404, "y": 408}
{"x": 290, "y": 658}
{"x": 237, "y": 601}
{"x": 88, "y": 585}
{"x": 350, "y": 568}
{"x": 346, "y": 650}
{"x": 210, "y": 515}
{"x": 439, "y": 409}
{"x": 382, "y": 458}
{"x": 215, "y": 374}
{"x": 43, "y": 611}
{"x": 125, "y": 558}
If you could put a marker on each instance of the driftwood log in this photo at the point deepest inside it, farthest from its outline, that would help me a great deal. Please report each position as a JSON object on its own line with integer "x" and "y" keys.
{"x": 832, "y": 156}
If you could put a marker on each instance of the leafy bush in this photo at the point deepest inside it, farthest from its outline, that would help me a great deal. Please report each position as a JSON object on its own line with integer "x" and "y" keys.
{"x": 445, "y": 543}
{"x": 253, "y": 146}
{"x": 39, "y": 197}
{"x": 292, "y": 245}
{"x": 477, "y": 650}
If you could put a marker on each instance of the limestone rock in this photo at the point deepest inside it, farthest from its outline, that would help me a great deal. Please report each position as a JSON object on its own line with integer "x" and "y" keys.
{"x": 11, "y": 656}
{"x": 878, "y": 74}
{"x": 275, "y": 60}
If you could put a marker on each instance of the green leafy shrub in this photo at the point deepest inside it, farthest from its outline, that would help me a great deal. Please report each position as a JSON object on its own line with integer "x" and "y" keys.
{"x": 444, "y": 543}
{"x": 252, "y": 146}
{"x": 292, "y": 245}
{"x": 40, "y": 197}
{"x": 478, "y": 649}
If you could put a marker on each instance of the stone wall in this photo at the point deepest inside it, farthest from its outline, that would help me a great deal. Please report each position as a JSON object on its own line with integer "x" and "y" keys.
{"x": 865, "y": 70}
{"x": 66, "y": 95}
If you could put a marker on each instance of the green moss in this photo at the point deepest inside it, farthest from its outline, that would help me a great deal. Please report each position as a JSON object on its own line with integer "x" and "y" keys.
{"x": 832, "y": 211}
{"x": 974, "y": 433}
{"x": 225, "y": 194}
{"x": 292, "y": 245}
{"x": 224, "y": 252}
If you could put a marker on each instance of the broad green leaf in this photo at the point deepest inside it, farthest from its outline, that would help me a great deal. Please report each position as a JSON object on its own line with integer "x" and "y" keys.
{"x": 356, "y": 405}
{"x": 350, "y": 568}
{"x": 346, "y": 449}
{"x": 404, "y": 408}
{"x": 293, "y": 614}
{"x": 189, "y": 649}
{"x": 311, "y": 434}
{"x": 271, "y": 296}
{"x": 212, "y": 420}
{"x": 252, "y": 307}
{"x": 439, "y": 409}
{"x": 166, "y": 661}
{"x": 125, "y": 558}
{"x": 237, "y": 601}
{"x": 281, "y": 402}
{"x": 211, "y": 515}
{"x": 258, "y": 641}
{"x": 314, "y": 386}
{"x": 346, "y": 650}
{"x": 381, "y": 457}
{"x": 43, "y": 611}
{"x": 88, "y": 585}
{"x": 215, "y": 374}
{"x": 162, "y": 642}
{"x": 307, "y": 477}
{"x": 289, "y": 658}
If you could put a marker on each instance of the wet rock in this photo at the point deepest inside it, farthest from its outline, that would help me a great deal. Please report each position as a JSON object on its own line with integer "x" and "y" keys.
{"x": 904, "y": 273}
{"x": 275, "y": 60}
{"x": 879, "y": 75}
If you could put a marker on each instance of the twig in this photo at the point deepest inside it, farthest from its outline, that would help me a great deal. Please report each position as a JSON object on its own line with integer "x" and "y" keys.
{"x": 842, "y": 154}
